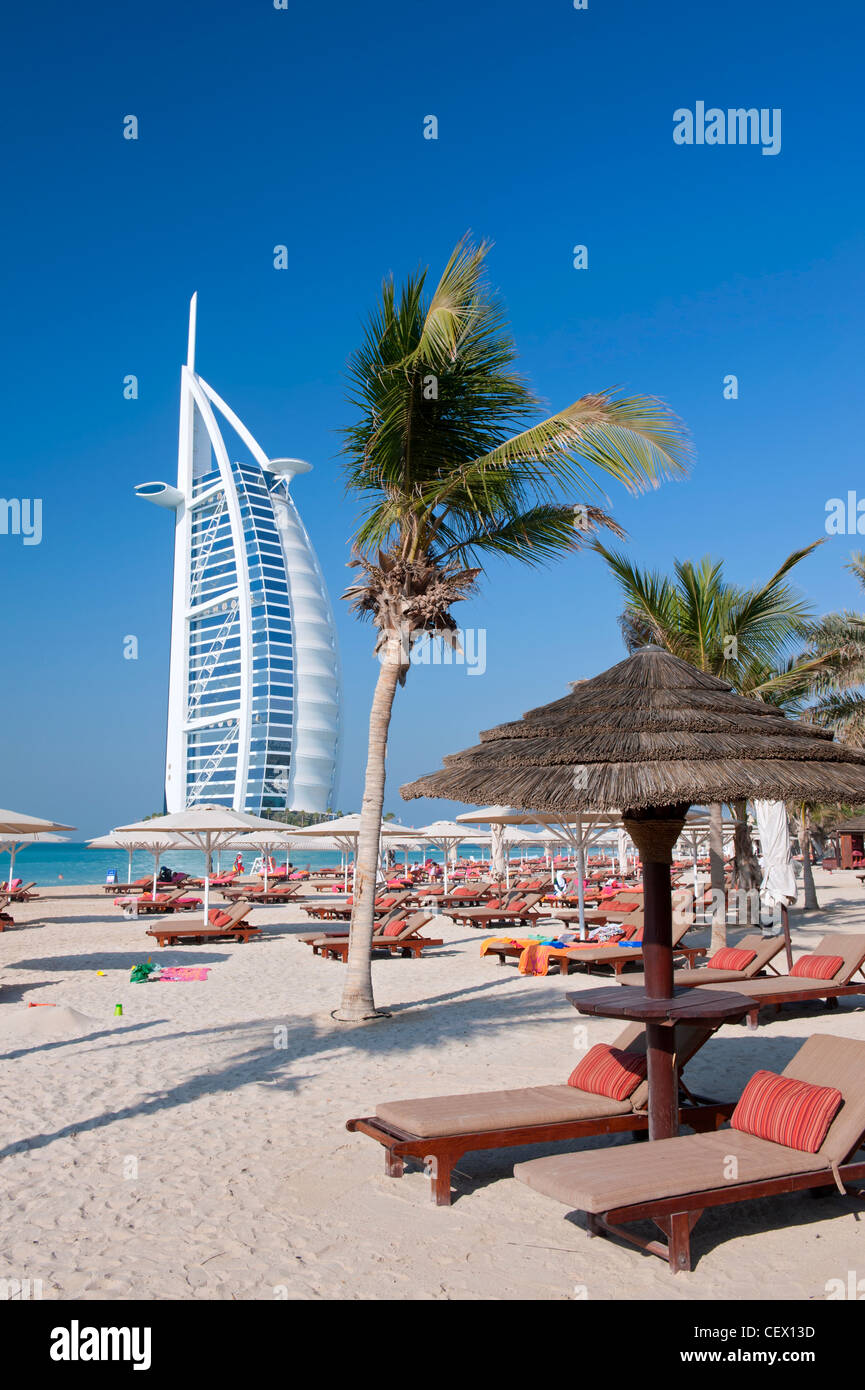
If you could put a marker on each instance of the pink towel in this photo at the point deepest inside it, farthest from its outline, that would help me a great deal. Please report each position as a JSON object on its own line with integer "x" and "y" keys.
{"x": 184, "y": 972}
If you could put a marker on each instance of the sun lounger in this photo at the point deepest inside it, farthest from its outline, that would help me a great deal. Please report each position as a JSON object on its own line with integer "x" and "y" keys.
{"x": 404, "y": 942}
{"x": 436, "y": 1131}
{"x": 797, "y": 989}
{"x": 516, "y": 907}
{"x": 341, "y": 909}
{"x": 22, "y": 894}
{"x": 275, "y": 893}
{"x": 146, "y": 905}
{"x": 618, "y": 958}
{"x": 471, "y": 895}
{"x": 765, "y": 949}
{"x": 396, "y": 914}
{"x": 229, "y": 925}
{"x": 672, "y": 1181}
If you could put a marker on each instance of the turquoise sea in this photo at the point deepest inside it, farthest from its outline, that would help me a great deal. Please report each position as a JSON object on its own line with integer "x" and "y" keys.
{"x": 73, "y": 863}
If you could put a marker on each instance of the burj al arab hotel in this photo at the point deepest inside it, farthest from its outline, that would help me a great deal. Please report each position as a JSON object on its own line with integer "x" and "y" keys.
{"x": 254, "y": 685}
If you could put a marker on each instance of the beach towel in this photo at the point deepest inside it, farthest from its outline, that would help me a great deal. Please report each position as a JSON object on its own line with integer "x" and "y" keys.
{"x": 535, "y": 959}
{"x": 500, "y": 941}
{"x": 184, "y": 972}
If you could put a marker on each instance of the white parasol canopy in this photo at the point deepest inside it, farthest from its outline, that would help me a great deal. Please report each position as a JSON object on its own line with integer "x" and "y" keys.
{"x": 204, "y": 827}
{"x": 15, "y": 843}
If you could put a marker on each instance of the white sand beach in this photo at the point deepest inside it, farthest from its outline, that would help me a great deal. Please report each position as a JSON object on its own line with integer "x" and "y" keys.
{"x": 196, "y": 1146}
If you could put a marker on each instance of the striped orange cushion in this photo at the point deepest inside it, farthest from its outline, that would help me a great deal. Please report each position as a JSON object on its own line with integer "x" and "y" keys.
{"x": 607, "y": 1071}
{"x": 731, "y": 958}
{"x": 817, "y": 967}
{"x": 393, "y": 928}
{"x": 786, "y": 1111}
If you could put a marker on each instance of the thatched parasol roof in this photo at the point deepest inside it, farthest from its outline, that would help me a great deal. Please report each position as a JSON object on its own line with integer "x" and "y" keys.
{"x": 651, "y": 731}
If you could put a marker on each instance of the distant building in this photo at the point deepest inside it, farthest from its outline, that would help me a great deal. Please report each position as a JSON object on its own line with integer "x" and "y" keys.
{"x": 254, "y": 687}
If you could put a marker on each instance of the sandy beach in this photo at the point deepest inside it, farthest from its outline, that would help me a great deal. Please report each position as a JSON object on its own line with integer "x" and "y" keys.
{"x": 196, "y": 1146}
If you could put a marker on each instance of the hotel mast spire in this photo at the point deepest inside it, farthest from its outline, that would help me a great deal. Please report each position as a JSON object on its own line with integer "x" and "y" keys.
{"x": 190, "y": 348}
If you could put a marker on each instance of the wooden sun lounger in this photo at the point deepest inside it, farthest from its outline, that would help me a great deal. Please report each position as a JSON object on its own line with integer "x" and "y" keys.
{"x": 396, "y": 914}
{"x": 474, "y": 897}
{"x": 141, "y": 885}
{"x": 23, "y": 894}
{"x": 672, "y": 1181}
{"x": 500, "y": 916}
{"x": 235, "y": 929}
{"x": 341, "y": 911}
{"x": 765, "y": 948}
{"x": 435, "y": 1132}
{"x": 405, "y": 943}
{"x": 618, "y": 958}
{"x": 793, "y": 989}
{"x": 275, "y": 894}
{"x": 176, "y": 901}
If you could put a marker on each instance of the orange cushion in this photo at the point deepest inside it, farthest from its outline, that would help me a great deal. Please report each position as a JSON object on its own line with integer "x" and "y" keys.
{"x": 730, "y": 958}
{"x": 493, "y": 902}
{"x": 786, "y": 1111}
{"x": 217, "y": 918}
{"x": 607, "y": 1071}
{"x": 393, "y": 928}
{"x": 816, "y": 967}
{"x": 517, "y": 906}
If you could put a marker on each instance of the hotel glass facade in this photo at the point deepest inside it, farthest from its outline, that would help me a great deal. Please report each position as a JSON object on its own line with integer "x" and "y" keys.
{"x": 254, "y": 698}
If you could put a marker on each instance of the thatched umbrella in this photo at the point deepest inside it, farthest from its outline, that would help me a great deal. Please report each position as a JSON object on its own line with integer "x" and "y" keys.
{"x": 650, "y": 737}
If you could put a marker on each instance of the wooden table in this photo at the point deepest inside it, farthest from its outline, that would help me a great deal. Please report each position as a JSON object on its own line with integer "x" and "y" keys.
{"x": 697, "y": 1004}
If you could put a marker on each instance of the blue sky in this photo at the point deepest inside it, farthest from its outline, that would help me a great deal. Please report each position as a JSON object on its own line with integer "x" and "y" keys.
{"x": 304, "y": 127}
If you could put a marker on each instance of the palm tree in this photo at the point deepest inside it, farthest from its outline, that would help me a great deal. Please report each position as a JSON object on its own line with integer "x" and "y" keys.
{"x": 449, "y": 469}
{"x": 750, "y": 637}
{"x": 840, "y": 637}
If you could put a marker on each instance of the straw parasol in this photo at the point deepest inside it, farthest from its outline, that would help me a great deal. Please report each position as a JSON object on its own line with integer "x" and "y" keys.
{"x": 649, "y": 737}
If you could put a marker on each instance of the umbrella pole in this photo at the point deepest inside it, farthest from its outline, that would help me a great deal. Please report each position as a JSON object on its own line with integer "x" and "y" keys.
{"x": 785, "y": 927}
{"x": 581, "y": 886}
{"x": 129, "y": 853}
{"x": 654, "y": 838}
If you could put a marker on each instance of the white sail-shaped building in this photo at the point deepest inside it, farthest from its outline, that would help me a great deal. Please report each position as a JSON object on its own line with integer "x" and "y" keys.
{"x": 254, "y": 687}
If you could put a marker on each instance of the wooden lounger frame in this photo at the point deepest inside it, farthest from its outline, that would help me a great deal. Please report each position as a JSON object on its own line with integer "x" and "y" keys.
{"x": 337, "y": 948}
{"x": 676, "y": 1217}
{"x": 830, "y": 993}
{"x": 438, "y": 1154}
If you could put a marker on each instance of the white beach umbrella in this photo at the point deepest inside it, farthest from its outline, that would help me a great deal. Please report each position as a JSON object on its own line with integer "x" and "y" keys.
{"x": 445, "y": 835}
{"x": 204, "y": 827}
{"x": 16, "y": 823}
{"x": 151, "y": 841}
{"x": 13, "y": 844}
{"x": 345, "y": 830}
{"x": 268, "y": 843}
{"x": 584, "y": 831}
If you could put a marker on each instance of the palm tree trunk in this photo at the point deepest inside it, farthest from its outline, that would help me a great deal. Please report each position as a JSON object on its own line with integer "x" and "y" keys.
{"x": 357, "y": 999}
{"x": 716, "y": 874}
{"x": 811, "y": 903}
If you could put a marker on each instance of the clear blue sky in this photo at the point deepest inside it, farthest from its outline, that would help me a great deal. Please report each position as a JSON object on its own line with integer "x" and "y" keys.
{"x": 304, "y": 127}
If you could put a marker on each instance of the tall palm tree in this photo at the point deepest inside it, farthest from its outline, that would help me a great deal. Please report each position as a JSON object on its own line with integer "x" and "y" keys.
{"x": 449, "y": 470}
{"x": 750, "y": 637}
